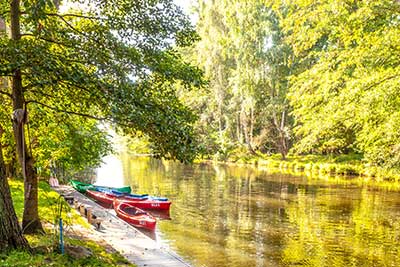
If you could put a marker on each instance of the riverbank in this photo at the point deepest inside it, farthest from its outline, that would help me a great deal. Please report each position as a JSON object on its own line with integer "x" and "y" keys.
{"x": 79, "y": 249}
{"x": 131, "y": 243}
{"x": 314, "y": 165}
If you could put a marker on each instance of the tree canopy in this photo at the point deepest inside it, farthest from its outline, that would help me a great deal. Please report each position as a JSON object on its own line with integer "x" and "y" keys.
{"x": 109, "y": 61}
{"x": 244, "y": 57}
{"x": 347, "y": 97}
{"x": 313, "y": 77}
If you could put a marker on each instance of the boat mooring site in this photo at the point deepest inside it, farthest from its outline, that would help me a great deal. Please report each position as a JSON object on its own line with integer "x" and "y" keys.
{"x": 134, "y": 245}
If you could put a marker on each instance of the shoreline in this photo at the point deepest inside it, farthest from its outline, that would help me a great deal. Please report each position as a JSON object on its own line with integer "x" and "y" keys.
{"x": 314, "y": 167}
{"x": 132, "y": 244}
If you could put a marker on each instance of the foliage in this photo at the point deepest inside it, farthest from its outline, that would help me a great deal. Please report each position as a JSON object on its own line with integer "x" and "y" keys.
{"x": 331, "y": 68}
{"x": 107, "y": 61}
{"x": 246, "y": 62}
{"x": 7, "y": 141}
{"x": 70, "y": 143}
{"x": 347, "y": 97}
{"x": 138, "y": 145}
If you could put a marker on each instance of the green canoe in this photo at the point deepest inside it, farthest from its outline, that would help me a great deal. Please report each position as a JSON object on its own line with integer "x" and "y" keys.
{"x": 82, "y": 187}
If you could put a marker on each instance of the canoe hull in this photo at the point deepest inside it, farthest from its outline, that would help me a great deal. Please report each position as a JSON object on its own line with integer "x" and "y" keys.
{"x": 134, "y": 215}
{"x": 79, "y": 186}
{"x": 148, "y": 204}
{"x": 83, "y": 187}
{"x": 103, "y": 198}
{"x": 106, "y": 199}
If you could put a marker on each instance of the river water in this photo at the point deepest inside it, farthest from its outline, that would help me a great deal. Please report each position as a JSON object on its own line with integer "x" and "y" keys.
{"x": 241, "y": 216}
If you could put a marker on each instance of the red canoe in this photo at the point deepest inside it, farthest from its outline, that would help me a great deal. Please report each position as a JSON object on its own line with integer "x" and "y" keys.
{"x": 134, "y": 215}
{"x": 147, "y": 204}
{"x": 102, "y": 197}
{"x": 150, "y": 203}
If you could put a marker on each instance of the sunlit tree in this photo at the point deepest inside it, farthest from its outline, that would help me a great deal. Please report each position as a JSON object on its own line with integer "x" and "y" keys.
{"x": 110, "y": 61}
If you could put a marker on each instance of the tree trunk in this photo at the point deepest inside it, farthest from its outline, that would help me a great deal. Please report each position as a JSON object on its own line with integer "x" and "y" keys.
{"x": 250, "y": 145}
{"x": 280, "y": 128}
{"x": 282, "y": 138}
{"x": 284, "y": 147}
{"x": 238, "y": 128}
{"x": 10, "y": 232}
{"x": 247, "y": 131}
{"x": 251, "y": 125}
{"x": 30, "y": 220}
{"x": 10, "y": 167}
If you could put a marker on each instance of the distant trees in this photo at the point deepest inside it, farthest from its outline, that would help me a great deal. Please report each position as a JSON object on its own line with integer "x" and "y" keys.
{"x": 315, "y": 76}
{"x": 348, "y": 96}
{"x": 247, "y": 63}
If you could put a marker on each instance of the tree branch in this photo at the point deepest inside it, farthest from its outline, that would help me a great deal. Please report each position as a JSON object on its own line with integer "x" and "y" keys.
{"x": 74, "y": 15}
{"x": 39, "y": 92}
{"x": 48, "y": 40}
{"x": 72, "y": 84}
{"x": 68, "y": 111}
{"x": 76, "y": 30}
{"x": 69, "y": 25}
{"x": 111, "y": 120}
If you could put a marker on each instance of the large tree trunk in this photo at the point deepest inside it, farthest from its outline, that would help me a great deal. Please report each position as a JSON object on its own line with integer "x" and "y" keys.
{"x": 30, "y": 220}
{"x": 10, "y": 232}
{"x": 11, "y": 167}
{"x": 247, "y": 124}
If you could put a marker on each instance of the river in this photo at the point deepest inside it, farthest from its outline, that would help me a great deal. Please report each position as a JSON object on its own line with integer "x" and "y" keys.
{"x": 242, "y": 216}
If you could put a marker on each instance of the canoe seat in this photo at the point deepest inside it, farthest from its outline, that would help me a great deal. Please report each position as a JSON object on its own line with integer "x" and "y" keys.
{"x": 133, "y": 211}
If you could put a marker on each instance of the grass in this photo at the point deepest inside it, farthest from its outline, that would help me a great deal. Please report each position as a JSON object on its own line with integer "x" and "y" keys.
{"x": 331, "y": 165}
{"x": 45, "y": 246}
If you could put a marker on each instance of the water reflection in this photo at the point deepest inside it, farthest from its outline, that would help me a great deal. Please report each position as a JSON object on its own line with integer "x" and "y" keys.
{"x": 237, "y": 216}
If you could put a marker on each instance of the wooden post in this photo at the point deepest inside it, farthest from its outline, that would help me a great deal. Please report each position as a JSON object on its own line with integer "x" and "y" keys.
{"x": 82, "y": 209}
{"x": 89, "y": 215}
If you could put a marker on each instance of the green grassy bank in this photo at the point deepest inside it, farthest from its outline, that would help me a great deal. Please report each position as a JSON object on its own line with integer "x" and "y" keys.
{"x": 45, "y": 246}
{"x": 329, "y": 165}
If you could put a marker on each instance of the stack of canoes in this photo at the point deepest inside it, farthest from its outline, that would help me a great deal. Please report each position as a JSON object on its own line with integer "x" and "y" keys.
{"x": 145, "y": 202}
{"x": 126, "y": 205}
